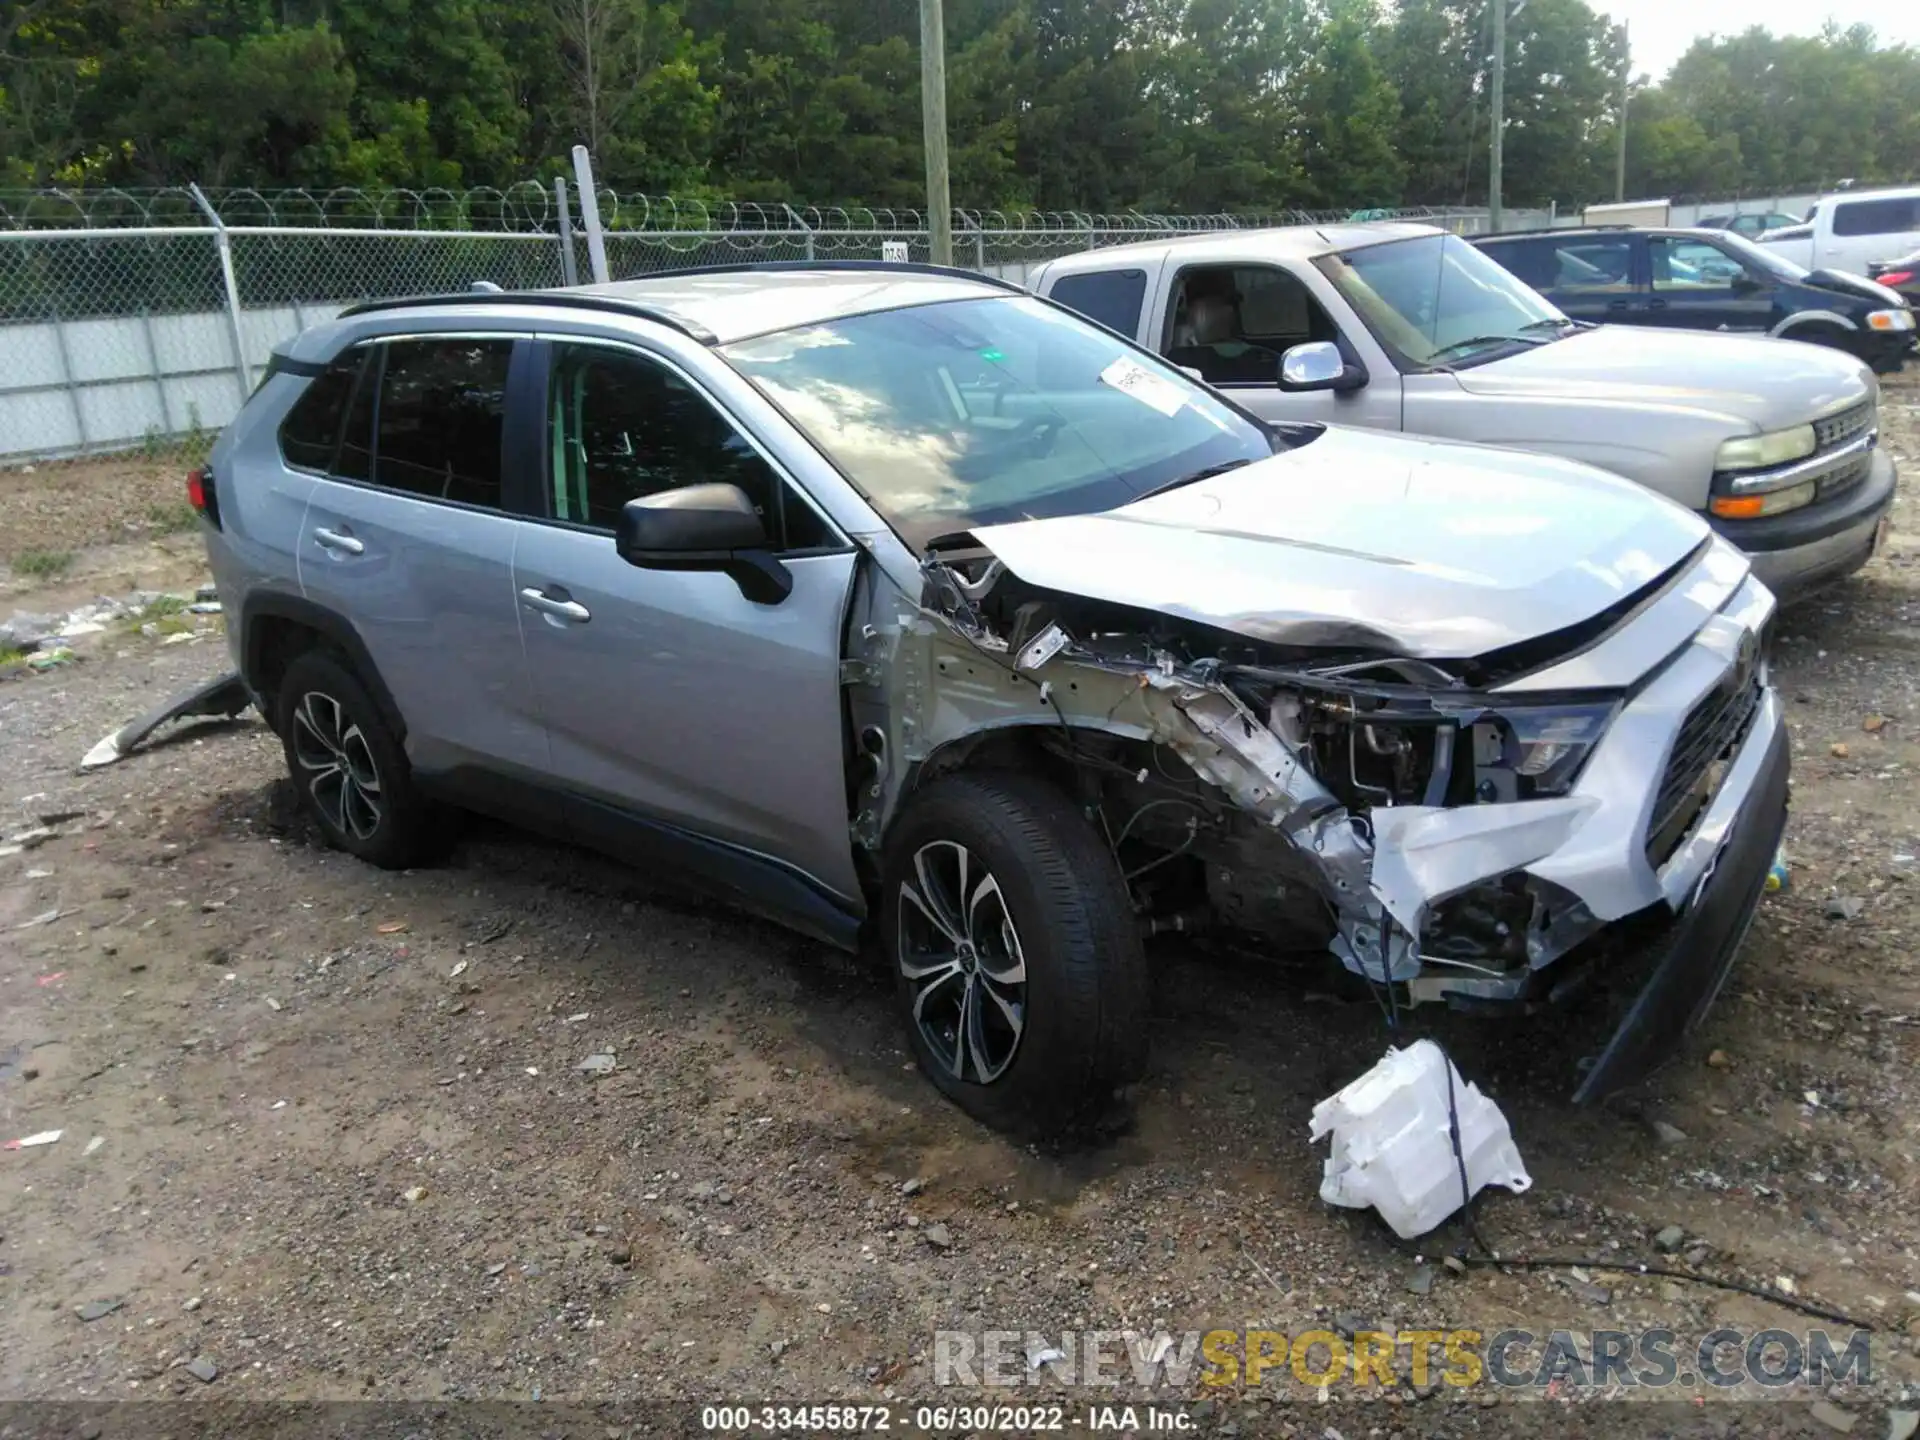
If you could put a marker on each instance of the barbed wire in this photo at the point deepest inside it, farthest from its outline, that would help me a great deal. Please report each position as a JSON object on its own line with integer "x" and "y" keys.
{"x": 530, "y": 207}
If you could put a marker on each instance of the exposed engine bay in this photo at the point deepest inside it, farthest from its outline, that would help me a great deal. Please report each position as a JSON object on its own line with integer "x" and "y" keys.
{"x": 1315, "y": 797}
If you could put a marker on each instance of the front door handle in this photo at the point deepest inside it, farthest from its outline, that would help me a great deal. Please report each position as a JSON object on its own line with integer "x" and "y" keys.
{"x": 1618, "y": 304}
{"x": 335, "y": 541}
{"x": 1656, "y": 303}
{"x": 561, "y": 607}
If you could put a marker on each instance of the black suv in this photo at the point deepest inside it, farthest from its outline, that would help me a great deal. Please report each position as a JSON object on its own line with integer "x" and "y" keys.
{"x": 1707, "y": 280}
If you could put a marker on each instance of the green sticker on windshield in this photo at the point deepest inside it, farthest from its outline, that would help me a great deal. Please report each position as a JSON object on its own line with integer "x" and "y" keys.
{"x": 992, "y": 356}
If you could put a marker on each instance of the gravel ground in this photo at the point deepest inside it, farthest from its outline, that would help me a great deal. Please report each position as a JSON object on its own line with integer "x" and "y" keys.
{"x": 324, "y": 1128}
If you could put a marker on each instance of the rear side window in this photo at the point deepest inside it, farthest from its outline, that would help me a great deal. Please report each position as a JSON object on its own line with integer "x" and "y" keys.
{"x": 1537, "y": 262}
{"x": 312, "y": 427}
{"x": 434, "y": 410}
{"x": 1110, "y": 297}
{"x": 1877, "y": 217}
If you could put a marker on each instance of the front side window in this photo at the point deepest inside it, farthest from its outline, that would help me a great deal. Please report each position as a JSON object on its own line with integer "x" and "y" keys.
{"x": 1232, "y": 323}
{"x": 624, "y": 426}
{"x": 979, "y": 412}
{"x": 1535, "y": 261}
{"x": 1678, "y": 264}
{"x": 1434, "y": 300}
{"x": 1877, "y": 217}
{"x": 426, "y": 418}
{"x": 312, "y": 428}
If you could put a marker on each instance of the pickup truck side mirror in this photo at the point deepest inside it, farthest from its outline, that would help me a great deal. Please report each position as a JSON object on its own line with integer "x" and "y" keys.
{"x": 1319, "y": 365}
{"x": 703, "y": 527}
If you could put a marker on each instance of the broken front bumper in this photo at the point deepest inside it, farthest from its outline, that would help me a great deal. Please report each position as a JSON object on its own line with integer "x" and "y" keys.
{"x": 1694, "y": 956}
{"x": 1618, "y": 869}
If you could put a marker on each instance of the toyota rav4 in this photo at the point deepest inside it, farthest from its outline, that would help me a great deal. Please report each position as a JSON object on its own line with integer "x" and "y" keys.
{"x": 913, "y": 608}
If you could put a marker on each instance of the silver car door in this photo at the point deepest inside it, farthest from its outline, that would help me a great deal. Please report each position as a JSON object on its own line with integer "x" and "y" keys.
{"x": 1230, "y": 323}
{"x": 669, "y": 697}
{"x": 406, "y": 537}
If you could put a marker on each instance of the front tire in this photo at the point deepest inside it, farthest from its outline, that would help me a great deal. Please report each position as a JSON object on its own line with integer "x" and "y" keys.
{"x": 1014, "y": 949}
{"x": 348, "y": 767}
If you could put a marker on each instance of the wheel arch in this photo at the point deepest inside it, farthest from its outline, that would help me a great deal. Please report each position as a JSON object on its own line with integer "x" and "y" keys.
{"x": 275, "y": 629}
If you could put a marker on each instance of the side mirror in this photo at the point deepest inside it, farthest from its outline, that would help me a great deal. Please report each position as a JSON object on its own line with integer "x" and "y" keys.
{"x": 1319, "y": 365}
{"x": 703, "y": 527}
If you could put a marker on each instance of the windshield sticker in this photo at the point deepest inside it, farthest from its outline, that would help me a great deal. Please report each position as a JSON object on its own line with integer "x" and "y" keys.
{"x": 1132, "y": 378}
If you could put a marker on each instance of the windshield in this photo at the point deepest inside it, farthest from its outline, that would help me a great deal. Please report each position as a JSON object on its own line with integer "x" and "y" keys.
{"x": 1436, "y": 301}
{"x": 979, "y": 412}
{"x": 1759, "y": 257}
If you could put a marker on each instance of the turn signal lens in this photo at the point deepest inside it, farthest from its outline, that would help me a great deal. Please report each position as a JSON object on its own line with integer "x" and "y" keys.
{"x": 1774, "y": 502}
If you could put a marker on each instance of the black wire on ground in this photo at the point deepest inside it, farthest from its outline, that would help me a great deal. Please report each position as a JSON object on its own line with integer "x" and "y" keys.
{"x": 1555, "y": 1262}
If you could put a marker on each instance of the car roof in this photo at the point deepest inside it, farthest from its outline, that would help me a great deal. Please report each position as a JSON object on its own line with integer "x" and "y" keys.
{"x": 731, "y": 305}
{"x": 718, "y": 304}
{"x": 1283, "y": 242}
{"x": 1890, "y": 192}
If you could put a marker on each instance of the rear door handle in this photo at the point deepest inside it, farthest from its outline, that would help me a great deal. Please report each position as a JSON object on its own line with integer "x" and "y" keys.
{"x": 1656, "y": 303}
{"x": 1618, "y": 304}
{"x": 335, "y": 541}
{"x": 561, "y": 607}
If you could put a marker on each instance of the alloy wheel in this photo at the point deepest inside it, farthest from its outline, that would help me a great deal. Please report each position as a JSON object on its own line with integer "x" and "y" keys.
{"x": 960, "y": 955}
{"x": 337, "y": 765}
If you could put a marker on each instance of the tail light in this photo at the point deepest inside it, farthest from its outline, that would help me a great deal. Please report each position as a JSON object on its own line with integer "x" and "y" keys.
{"x": 203, "y": 496}
{"x": 1897, "y": 277}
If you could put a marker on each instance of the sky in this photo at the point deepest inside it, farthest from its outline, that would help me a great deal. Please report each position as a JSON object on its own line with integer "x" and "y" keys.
{"x": 1661, "y": 30}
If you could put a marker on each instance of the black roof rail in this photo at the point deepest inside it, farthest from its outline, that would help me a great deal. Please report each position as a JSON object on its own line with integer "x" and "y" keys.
{"x": 563, "y": 299}
{"x": 885, "y": 267}
{"x": 596, "y": 298}
{"x": 1568, "y": 230}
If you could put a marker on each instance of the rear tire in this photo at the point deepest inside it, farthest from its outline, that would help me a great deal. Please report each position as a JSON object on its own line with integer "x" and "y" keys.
{"x": 1014, "y": 950}
{"x": 348, "y": 768}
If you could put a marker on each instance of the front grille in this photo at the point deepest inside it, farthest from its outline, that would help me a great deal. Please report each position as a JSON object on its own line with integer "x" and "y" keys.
{"x": 1711, "y": 733}
{"x": 1837, "y": 430}
{"x": 1836, "y": 482}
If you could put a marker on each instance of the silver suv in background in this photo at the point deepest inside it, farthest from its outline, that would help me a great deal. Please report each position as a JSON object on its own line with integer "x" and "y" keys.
{"x": 918, "y": 611}
{"x": 1402, "y": 327}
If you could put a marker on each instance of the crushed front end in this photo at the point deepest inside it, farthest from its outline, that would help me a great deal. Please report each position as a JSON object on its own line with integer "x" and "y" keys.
{"x": 1489, "y": 832}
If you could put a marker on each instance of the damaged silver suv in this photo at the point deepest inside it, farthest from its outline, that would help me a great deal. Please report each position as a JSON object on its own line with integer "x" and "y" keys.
{"x": 913, "y": 608}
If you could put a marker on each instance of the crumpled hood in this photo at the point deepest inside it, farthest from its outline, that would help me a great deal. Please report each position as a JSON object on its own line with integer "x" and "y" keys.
{"x": 1413, "y": 547}
{"x": 1749, "y": 378}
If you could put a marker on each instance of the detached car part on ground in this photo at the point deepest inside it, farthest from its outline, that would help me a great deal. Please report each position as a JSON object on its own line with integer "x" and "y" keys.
{"x": 1072, "y": 652}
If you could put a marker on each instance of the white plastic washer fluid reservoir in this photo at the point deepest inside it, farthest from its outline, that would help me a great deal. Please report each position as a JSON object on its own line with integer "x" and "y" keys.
{"x": 1391, "y": 1147}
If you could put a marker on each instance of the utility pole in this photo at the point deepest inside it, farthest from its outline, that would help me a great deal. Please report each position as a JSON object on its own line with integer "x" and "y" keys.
{"x": 1499, "y": 101}
{"x": 933, "y": 120}
{"x": 1620, "y": 154}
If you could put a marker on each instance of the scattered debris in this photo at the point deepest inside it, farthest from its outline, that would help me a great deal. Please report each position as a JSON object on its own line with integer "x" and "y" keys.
{"x": 45, "y": 1137}
{"x": 1421, "y": 1280}
{"x": 459, "y": 969}
{"x": 599, "y": 1064}
{"x": 273, "y": 1004}
{"x": 392, "y": 927}
{"x": 497, "y": 1268}
{"x": 414, "y": 1194}
{"x": 97, "y": 1309}
{"x": 1845, "y": 907}
{"x": 938, "y": 1236}
{"x": 1784, "y": 1284}
{"x": 1840, "y": 750}
{"x": 1455, "y": 1264}
{"x": 45, "y": 917}
{"x": 1719, "y": 1059}
{"x": 222, "y": 698}
{"x": 92, "y": 1145}
{"x": 1591, "y": 1293}
{"x": 913, "y": 1186}
{"x": 1670, "y": 1239}
{"x": 1832, "y": 1416}
{"x": 1040, "y": 1353}
{"x": 1391, "y": 1145}
{"x": 1902, "y": 1423}
{"x": 55, "y": 978}
{"x": 203, "y": 1370}
{"x": 1667, "y": 1133}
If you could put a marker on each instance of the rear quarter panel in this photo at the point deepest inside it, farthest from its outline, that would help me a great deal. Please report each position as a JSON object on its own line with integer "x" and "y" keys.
{"x": 262, "y": 506}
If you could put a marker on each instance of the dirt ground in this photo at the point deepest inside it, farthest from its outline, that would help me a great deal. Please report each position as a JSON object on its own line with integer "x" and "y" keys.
{"x": 323, "y": 1127}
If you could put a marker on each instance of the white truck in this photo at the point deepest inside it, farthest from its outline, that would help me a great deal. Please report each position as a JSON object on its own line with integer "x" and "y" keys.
{"x": 1404, "y": 327}
{"x": 1851, "y": 231}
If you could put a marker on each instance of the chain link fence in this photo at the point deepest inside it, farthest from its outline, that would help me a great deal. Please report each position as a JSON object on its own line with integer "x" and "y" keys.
{"x": 137, "y": 322}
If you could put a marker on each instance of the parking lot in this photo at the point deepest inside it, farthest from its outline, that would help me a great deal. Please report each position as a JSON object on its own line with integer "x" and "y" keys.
{"x": 326, "y": 1129}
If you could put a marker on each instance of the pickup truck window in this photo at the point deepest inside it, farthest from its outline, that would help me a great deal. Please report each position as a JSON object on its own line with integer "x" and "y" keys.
{"x": 1894, "y": 216}
{"x": 1435, "y": 301}
{"x": 978, "y": 412}
{"x": 1108, "y": 297}
{"x": 1232, "y": 323}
